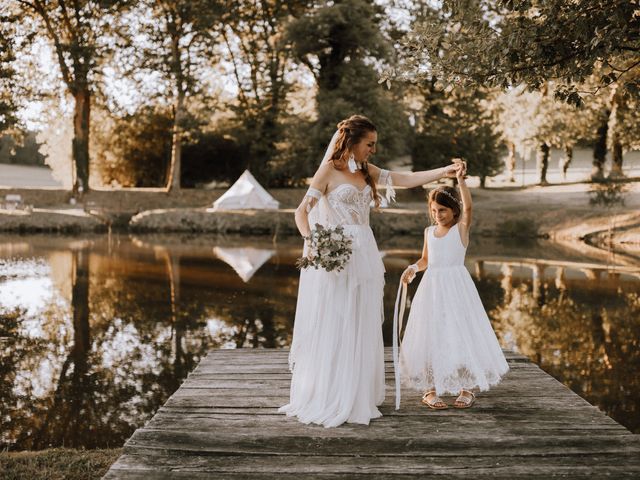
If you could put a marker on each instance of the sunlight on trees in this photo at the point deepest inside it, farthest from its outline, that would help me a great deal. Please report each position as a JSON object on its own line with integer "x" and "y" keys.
{"x": 263, "y": 84}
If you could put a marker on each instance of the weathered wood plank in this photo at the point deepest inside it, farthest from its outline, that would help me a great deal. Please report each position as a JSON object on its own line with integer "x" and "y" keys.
{"x": 221, "y": 400}
{"x": 378, "y": 465}
{"x": 223, "y": 423}
{"x": 568, "y": 417}
{"x": 484, "y": 423}
{"x": 320, "y": 442}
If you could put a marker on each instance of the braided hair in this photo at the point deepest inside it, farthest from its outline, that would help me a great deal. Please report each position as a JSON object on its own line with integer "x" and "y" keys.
{"x": 350, "y": 132}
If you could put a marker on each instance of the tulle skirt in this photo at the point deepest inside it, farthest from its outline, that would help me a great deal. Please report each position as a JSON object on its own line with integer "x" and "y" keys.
{"x": 337, "y": 354}
{"x": 448, "y": 343}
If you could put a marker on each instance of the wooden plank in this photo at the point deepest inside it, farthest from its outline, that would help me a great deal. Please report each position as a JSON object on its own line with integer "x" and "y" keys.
{"x": 230, "y": 400}
{"x": 395, "y": 441}
{"x": 567, "y": 417}
{"x": 206, "y": 422}
{"x": 223, "y": 423}
{"x": 378, "y": 465}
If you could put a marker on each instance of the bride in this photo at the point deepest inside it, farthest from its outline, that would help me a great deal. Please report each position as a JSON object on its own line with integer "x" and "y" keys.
{"x": 337, "y": 354}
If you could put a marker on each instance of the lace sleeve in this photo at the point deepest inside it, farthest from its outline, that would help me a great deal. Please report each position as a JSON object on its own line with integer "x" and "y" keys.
{"x": 387, "y": 182}
{"x": 311, "y": 198}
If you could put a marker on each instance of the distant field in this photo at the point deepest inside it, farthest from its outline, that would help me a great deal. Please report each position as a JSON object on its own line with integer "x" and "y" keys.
{"x": 580, "y": 169}
{"x": 26, "y": 176}
{"x": 29, "y": 176}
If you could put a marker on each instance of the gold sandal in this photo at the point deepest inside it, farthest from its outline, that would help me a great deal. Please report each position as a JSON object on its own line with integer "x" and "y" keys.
{"x": 434, "y": 401}
{"x": 468, "y": 400}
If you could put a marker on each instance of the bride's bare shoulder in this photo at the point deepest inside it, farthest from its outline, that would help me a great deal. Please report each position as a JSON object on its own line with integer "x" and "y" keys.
{"x": 325, "y": 171}
{"x": 323, "y": 176}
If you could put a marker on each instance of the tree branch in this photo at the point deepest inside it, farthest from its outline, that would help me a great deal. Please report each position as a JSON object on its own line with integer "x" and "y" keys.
{"x": 243, "y": 97}
{"x": 40, "y": 9}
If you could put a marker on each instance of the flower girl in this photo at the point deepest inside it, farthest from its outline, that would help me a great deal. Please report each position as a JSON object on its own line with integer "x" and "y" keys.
{"x": 449, "y": 346}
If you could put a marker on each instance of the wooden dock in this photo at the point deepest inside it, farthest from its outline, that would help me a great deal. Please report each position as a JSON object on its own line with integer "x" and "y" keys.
{"x": 223, "y": 423}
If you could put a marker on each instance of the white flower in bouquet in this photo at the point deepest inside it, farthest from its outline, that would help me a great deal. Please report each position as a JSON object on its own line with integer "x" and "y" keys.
{"x": 329, "y": 248}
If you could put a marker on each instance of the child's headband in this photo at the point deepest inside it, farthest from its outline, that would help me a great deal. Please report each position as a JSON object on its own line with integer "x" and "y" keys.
{"x": 438, "y": 190}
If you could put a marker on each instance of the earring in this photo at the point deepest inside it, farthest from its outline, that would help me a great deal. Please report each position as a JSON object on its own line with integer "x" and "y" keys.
{"x": 352, "y": 163}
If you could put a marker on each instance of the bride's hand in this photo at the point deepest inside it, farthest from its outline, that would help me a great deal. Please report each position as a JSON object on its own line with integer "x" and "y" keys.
{"x": 462, "y": 171}
{"x": 451, "y": 171}
{"x": 409, "y": 274}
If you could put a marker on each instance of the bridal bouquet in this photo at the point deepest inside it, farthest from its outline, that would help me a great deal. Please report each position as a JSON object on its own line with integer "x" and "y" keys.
{"x": 329, "y": 248}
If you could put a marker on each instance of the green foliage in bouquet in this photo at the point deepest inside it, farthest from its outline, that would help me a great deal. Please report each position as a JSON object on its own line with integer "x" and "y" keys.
{"x": 329, "y": 248}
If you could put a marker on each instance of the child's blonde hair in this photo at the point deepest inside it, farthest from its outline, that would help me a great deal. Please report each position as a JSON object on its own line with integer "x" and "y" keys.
{"x": 447, "y": 197}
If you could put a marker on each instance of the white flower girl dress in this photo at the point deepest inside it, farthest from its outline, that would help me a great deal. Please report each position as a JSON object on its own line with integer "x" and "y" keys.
{"x": 448, "y": 343}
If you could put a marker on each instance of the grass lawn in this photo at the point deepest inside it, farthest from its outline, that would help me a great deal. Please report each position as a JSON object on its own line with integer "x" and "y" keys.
{"x": 57, "y": 464}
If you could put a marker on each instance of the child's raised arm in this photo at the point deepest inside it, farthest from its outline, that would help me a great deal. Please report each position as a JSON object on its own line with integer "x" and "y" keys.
{"x": 464, "y": 224}
{"x": 410, "y": 272}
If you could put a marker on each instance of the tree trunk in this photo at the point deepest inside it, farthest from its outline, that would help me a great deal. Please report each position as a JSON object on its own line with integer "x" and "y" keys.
{"x": 80, "y": 146}
{"x": 511, "y": 162}
{"x": 566, "y": 160}
{"x": 79, "y": 395}
{"x": 600, "y": 148}
{"x": 542, "y": 160}
{"x": 616, "y": 158}
{"x": 616, "y": 145}
{"x": 173, "y": 176}
{"x": 483, "y": 180}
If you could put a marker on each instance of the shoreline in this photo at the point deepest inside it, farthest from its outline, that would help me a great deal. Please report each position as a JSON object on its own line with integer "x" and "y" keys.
{"x": 561, "y": 213}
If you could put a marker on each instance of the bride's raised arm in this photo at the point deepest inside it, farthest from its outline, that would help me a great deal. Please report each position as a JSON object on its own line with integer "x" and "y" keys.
{"x": 316, "y": 190}
{"x": 414, "y": 179}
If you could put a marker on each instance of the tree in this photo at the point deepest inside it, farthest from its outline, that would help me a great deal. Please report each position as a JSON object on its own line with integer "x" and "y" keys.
{"x": 179, "y": 35}
{"x": 625, "y": 112}
{"x": 8, "y": 79}
{"x": 457, "y": 123}
{"x": 260, "y": 55}
{"x": 76, "y": 32}
{"x": 213, "y": 156}
{"x": 506, "y": 43}
{"x": 342, "y": 44}
{"x": 135, "y": 149}
{"x": 535, "y": 121}
{"x": 174, "y": 39}
{"x": 26, "y": 153}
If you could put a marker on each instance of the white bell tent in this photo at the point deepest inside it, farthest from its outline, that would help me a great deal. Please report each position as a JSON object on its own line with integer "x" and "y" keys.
{"x": 245, "y": 194}
{"x": 245, "y": 261}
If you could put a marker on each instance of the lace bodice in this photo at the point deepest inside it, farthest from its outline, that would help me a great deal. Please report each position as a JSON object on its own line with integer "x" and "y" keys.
{"x": 346, "y": 204}
{"x": 349, "y": 204}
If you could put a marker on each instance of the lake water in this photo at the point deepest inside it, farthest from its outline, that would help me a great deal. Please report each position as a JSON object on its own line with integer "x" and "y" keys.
{"x": 96, "y": 333}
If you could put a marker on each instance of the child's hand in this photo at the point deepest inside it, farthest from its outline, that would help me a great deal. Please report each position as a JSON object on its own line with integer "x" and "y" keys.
{"x": 452, "y": 170}
{"x": 461, "y": 172}
{"x": 409, "y": 274}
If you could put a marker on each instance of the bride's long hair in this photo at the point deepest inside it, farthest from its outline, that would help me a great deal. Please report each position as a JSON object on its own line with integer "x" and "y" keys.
{"x": 350, "y": 132}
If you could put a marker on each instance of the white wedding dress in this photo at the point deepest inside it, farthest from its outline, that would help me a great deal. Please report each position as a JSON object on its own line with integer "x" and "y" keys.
{"x": 337, "y": 354}
{"x": 448, "y": 343}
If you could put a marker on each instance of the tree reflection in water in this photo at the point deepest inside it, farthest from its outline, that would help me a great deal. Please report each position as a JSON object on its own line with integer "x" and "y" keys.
{"x": 586, "y": 337}
{"x": 136, "y": 321}
{"x": 123, "y": 321}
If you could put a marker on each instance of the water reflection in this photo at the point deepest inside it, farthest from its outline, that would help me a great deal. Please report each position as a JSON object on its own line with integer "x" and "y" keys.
{"x": 97, "y": 333}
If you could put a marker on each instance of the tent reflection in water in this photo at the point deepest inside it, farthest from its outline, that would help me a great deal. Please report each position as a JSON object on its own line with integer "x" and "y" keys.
{"x": 245, "y": 193}
{"x": 245, "y": 261}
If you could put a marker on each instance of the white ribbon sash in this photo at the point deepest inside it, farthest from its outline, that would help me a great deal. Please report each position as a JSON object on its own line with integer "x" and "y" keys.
{"x": 401, "y": 300}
